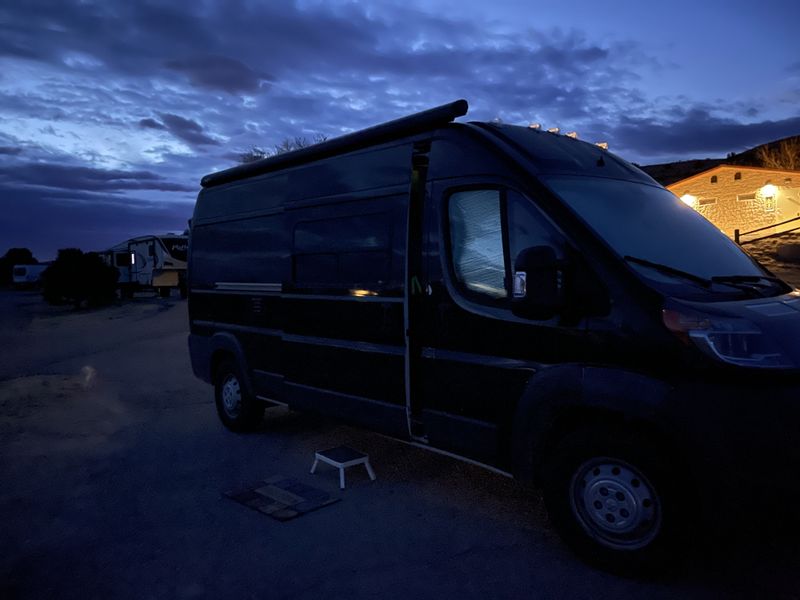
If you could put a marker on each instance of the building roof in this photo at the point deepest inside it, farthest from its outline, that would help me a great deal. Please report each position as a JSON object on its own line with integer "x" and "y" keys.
{"x": 739, "y": 168}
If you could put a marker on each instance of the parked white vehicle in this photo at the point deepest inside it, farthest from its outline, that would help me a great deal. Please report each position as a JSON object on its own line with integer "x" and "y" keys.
{"x": 150, "y": 262}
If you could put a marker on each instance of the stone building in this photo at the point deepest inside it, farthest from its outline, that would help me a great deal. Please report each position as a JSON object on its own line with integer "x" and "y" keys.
{"x": 745, "y": 198}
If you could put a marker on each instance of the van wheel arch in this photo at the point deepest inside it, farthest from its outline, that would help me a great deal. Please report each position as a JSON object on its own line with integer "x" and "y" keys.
{"x": 563, "y": 398}
{"x": 227, "y": 346}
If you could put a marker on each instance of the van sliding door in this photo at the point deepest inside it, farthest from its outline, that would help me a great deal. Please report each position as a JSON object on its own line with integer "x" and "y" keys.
{"x": 342, "y": 343}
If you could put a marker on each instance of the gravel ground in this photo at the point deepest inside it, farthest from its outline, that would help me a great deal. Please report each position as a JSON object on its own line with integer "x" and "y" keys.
{"x": 113, "y": 462}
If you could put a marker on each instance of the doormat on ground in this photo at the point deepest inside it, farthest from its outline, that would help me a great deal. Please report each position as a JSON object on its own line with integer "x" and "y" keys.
{"x": 282, "y": 498}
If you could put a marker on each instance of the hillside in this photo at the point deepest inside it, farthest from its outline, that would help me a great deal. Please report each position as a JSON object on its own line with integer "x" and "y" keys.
{"x": 668, "y": 173}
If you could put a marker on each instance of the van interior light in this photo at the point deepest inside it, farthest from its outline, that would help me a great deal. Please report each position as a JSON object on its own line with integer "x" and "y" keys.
{"x": 362, "y": 293}
{"x": 689, "y": 200}
{"x": 769, "y": 191}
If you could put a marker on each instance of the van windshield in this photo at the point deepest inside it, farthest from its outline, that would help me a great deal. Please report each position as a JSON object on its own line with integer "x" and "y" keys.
{"x": 649, "y": 224}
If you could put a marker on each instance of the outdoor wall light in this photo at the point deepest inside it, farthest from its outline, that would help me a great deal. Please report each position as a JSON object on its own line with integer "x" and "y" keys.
{"x": 689, "y": 200}
{"x": 769, "y": 191}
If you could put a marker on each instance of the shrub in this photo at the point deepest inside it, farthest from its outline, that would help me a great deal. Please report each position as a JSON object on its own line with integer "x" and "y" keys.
{"x": 76, "y": 277}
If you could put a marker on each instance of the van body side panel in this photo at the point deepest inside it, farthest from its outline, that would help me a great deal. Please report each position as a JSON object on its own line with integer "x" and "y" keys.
{"x": 238, "y": 265}
{"x": 304, "y": 268}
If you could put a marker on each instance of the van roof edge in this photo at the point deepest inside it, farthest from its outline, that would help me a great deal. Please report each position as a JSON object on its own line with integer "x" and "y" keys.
{"x": 384, "y": 132}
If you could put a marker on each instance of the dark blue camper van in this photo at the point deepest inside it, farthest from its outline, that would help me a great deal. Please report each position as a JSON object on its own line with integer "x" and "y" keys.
{"x": 513, "y": 296}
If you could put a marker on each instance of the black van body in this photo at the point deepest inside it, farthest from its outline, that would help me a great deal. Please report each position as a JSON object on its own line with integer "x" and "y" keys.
{"x": 476, "y": 288}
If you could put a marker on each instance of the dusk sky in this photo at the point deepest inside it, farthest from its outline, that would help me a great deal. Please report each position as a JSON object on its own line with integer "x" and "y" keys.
{"x": 112, "y": 111}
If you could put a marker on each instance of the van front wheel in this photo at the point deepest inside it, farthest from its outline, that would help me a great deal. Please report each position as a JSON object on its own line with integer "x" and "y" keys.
{"x": 238, "y": 410}
{"x": 616, "y": 500}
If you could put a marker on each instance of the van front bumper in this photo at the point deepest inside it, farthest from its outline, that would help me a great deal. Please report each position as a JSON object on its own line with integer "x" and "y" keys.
{"x": 741, "y": 437}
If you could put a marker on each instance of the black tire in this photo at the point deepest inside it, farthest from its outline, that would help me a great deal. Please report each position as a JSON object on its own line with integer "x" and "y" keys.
{"x": 618, "y": 500}
{"x": 237, "y": 409}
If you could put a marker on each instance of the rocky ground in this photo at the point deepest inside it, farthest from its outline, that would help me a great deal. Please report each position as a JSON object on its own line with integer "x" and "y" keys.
{"x": 770, "y": 251}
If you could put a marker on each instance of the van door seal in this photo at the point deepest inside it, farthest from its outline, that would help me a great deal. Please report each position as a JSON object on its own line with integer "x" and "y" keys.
{"x": 413, "y": 288}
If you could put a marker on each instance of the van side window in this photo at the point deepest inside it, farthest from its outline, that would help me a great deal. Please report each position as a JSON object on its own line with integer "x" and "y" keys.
{"x": 343, "y": 251}
{"x": 488, "y": 230}
{"x": 476, "y": 238}
{"x": 527, "y": 227}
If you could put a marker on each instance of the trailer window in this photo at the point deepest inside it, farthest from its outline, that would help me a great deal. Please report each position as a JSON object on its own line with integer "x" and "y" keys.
{"x": 123, "y": 259}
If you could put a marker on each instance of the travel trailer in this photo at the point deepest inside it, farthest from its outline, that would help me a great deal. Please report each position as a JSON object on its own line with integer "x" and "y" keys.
{"x": 514, "y": 297}
{"x": 28, "y": 275}
{"x": 150, "y": 262}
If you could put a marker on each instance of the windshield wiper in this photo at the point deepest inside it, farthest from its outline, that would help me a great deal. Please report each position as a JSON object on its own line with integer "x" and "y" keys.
{"x": 754, "y": 283}
{"x": 670, "y": 270}
{"x": 744, "y": 283}
{"x": 746, "y": 279}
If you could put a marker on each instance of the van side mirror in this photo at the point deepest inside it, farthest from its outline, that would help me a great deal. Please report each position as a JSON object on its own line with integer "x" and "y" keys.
{"x": 538, "y": 290}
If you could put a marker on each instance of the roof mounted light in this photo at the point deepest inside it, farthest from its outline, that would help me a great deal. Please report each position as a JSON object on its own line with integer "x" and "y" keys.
{"x": 572, "y": 134}
{"x": 603, "y": 145}
{"x": 553, "y": 130}
{"x": 535, "y": 126}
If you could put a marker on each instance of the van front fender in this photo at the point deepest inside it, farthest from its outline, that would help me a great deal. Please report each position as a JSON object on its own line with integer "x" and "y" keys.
{"x": 562, "y": 396}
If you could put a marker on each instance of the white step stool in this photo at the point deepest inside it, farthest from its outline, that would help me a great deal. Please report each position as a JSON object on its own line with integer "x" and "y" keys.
{"x": 342, "y": 457}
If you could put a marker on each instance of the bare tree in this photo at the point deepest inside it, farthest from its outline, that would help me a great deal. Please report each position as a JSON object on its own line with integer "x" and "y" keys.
{"x": 286, "y": 145}
{"x": 783, "y": 155}
{"x": 252, "y": 154}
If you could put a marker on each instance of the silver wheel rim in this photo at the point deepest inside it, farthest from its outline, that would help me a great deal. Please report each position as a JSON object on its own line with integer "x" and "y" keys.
{"x": 231, "y": 396}
{"x": 615, "y": 503}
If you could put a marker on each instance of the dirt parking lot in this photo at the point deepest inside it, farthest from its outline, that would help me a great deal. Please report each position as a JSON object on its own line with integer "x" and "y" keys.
{"x": 113, "y": 465}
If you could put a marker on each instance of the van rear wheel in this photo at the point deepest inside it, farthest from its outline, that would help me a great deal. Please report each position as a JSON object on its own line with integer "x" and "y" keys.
{"x": 237, "y": 409}
{"x": 617, "y": 500}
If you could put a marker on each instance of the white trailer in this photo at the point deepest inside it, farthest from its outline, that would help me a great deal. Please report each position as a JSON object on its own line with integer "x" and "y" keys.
{"x": 28, "y": 275}
{"x": 150, "y": 262}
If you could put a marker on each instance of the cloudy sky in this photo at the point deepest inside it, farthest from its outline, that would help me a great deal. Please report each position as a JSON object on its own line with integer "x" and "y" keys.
{"x": 111, "y": 111}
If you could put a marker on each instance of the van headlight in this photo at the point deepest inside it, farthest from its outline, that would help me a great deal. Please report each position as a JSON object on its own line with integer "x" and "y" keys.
{"x": 727, "y": 339}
